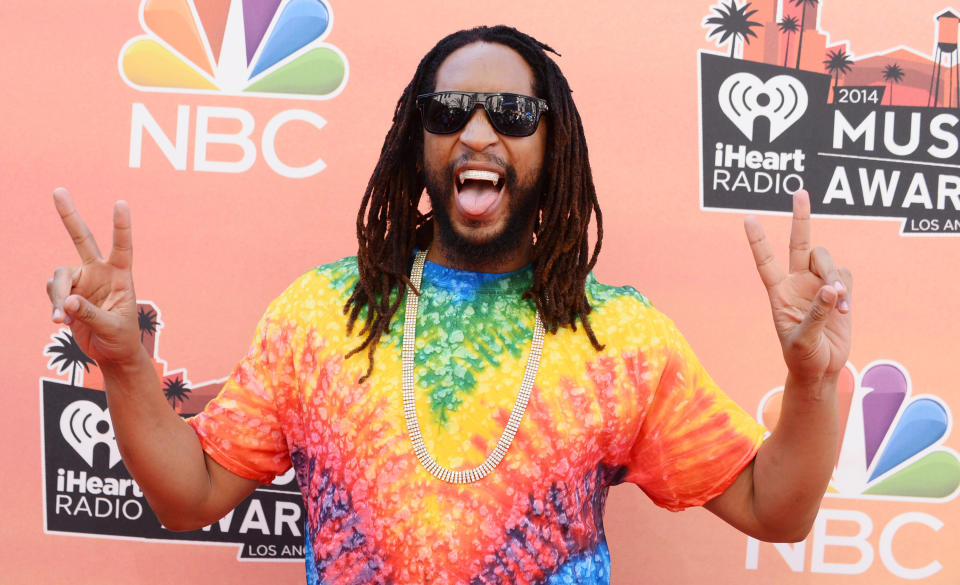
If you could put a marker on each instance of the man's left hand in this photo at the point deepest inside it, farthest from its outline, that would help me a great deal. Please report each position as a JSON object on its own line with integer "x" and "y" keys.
{"x": 810, "y": 303}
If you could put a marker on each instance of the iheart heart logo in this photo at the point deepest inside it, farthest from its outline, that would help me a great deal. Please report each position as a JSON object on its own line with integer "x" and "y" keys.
{"x": 84, "y": 425}
{"x": 781, "y": 99}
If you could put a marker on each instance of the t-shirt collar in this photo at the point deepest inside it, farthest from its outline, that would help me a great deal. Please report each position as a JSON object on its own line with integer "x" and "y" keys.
{"x": 466, "y": 281}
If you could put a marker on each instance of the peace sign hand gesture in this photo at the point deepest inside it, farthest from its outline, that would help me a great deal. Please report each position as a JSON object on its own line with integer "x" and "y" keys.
{"x": 96, "y": 299}
{"x": 777, "y": 496}
{"x": 810, "y": 303}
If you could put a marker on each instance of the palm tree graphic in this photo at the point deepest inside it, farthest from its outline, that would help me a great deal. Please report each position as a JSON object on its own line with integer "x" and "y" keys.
{"x": 732, "y": 22}
{"x": 176, "y": 390}
{"x": 837, "y": 62}
{"x": 892, "y": 74}
{"x": 68, "y": 355}
{"x": 788, "y": 26}
{"x": 147, "y": 321}
{"x": 803, "y": 22}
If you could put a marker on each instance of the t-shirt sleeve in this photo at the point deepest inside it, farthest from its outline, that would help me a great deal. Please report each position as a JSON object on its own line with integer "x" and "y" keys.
{"x": 241, "y": 428}
{"x": 694, "y": 440}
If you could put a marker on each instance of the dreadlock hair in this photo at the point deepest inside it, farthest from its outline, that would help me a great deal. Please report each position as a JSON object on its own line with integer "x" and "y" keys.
{"x": 390, "y": 225}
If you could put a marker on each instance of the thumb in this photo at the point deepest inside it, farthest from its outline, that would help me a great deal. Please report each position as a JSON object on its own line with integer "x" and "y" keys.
{"x": 80, "y": 309}
{"x": 816, "y": 317}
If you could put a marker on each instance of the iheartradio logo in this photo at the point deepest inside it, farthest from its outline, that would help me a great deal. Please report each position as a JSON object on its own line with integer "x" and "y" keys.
{"x": 85, "y": 425}
{"x": 743, "y": 98}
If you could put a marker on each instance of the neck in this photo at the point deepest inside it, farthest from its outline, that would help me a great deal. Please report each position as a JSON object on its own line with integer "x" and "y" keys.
{"x": 503, "y": 262}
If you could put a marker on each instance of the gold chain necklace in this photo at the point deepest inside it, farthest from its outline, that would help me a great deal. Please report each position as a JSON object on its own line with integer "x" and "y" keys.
{"x": 410, "y": 409}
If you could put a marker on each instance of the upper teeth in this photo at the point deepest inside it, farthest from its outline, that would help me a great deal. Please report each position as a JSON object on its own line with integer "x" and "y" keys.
{"x": 477, "y": 175}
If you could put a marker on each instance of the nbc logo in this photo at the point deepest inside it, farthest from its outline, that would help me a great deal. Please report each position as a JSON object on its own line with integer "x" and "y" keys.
{"x": 892, "y": 445}
{"x": 267, "y": 48}
{"x": 271, "y": 48}
{"x": 892, "y": 450}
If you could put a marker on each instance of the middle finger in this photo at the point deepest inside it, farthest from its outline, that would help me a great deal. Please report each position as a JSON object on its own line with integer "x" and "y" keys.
{"x": 800, "y": 233}
{"x": 82, "y": 237}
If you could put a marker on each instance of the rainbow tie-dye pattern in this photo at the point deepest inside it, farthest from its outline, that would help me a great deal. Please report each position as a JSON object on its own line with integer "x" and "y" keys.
{"x": 642, "y": 410}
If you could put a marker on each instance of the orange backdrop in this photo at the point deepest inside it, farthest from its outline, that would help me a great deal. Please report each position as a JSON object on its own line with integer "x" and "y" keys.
{"x": 213, "y": 248}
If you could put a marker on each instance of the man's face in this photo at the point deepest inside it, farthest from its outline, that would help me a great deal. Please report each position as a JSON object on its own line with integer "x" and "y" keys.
{"x": 479, "y": 223}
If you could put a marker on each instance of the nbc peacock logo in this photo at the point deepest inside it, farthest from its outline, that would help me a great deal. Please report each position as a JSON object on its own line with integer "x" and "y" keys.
{"x": 893, "y": 442}
{"x": 269, "y": 48}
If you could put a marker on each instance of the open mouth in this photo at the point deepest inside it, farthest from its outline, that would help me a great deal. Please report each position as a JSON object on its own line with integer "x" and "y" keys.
{"x": 478, "y": 192}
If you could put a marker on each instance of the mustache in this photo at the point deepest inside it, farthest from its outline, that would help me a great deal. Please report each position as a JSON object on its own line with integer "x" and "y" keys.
{"x": 479, "y": 157}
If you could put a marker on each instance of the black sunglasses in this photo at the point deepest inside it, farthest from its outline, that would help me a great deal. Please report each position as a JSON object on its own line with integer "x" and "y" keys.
{"x": 510, "y": 114}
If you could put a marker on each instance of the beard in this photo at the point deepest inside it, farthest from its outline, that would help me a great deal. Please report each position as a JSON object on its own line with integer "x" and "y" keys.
{"x": 467, "y": 252}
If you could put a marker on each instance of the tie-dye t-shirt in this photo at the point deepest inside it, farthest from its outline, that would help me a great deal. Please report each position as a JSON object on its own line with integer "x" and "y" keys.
{"x": 642, "y": 410}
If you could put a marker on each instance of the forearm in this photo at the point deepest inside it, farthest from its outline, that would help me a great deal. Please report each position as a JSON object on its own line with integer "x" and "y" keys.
{"x": 161, "y": 451}
{"x": 794, "y": 465}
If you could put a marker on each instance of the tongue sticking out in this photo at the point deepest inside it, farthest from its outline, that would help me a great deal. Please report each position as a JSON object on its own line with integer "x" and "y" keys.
{"x": 477, "y": 197}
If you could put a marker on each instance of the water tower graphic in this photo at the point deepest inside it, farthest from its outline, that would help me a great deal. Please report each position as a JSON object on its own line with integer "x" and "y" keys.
{"x": 948, "y": 25}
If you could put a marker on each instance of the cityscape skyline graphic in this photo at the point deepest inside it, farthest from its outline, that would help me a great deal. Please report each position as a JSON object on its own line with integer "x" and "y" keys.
{"x": 787, "y": 33}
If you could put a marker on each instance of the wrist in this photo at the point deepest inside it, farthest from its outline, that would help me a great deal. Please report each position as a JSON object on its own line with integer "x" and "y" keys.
{"x": 130, "y": 368}
{"x": 816, "y": 388}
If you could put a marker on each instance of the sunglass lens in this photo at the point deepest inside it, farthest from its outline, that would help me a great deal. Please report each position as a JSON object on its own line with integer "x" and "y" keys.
{"x": 513, "y": 115}
{"x": 443, "y": 118}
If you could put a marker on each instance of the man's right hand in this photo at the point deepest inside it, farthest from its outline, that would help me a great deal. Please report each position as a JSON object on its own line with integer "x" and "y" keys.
{"x": 186, "y": 488}
{"x": 96, "y": 298}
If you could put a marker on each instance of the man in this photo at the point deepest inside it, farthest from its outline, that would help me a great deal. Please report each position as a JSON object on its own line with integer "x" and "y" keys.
{"x": 437, "y": 434}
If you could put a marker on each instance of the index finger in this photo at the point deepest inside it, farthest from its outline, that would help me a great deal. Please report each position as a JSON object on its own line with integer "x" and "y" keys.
{"x": 770, "y": 271}
{"x": 800, "y": 233}
{"x": 121, "y": 255}
{"x": 79, "y": 232}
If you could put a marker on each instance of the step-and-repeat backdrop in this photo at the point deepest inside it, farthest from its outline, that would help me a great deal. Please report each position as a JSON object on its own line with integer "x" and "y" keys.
{"x": 243, "y": 133}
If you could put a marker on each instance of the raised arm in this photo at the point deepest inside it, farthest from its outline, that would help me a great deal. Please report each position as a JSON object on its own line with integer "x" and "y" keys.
{"x": 777, "y": 497}
{"x": 186, "y": 488}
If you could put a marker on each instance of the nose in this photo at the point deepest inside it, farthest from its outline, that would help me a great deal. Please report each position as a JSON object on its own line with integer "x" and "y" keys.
{"x": 478, "y": 134}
